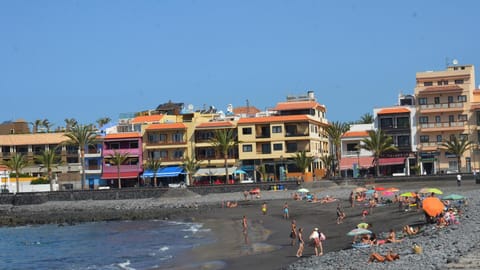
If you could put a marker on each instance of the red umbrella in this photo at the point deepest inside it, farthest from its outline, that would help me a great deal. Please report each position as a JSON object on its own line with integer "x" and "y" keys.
{"x": 433, "y": 206}
{"x": 379, "y": 188}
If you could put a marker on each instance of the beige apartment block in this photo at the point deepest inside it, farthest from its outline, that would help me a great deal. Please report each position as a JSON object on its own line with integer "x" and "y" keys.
{"x": 444, "y": 109}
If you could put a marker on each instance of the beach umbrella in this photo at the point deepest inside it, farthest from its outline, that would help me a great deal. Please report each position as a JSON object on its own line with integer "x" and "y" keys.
{"x": 239, "y": 171}
{"x": 358, "y": 231}
{"x": 360, "y": 189}
{"x": 303, "y": 190}
{"x": 392, "y": 189}
{"x": 408, "y": 194}
{"x": 380, "y": 188}
{"x": 430, "y": 190}
{"x": 454, "y": 197}
{"x": 370, "y": 191}
{"x": 254, "y": 191}
{"x": 388, "y": 193}
{"x": 432, "y": 206}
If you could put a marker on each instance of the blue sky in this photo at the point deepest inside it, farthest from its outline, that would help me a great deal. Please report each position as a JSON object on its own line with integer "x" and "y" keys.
{"x": 88, "y": 59}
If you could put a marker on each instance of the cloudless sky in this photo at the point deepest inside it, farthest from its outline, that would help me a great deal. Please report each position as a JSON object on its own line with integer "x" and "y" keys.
{"x": 87, "y": 59}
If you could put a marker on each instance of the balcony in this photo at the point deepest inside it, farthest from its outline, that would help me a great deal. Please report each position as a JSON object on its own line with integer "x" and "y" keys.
{"x": 442, "y": 107}
{"x": 443, "y": 126}
{"x": 158, "y": 143}
{"x": 123, "y": 168}
{"x": 297, "y": 134}
{"x": 131, "y": 151}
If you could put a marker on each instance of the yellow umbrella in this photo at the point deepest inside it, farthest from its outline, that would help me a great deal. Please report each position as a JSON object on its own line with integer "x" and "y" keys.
{"x": 408, "y": 194}
{"x": 430, "y": 190}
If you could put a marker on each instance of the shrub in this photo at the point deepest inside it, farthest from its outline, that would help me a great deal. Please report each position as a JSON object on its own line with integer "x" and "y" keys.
{"x": 19, "y": 175}
{"x": 40, "y": 181}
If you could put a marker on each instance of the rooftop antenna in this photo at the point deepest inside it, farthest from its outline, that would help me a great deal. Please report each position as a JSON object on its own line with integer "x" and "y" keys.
{"x": 248, "y": 107}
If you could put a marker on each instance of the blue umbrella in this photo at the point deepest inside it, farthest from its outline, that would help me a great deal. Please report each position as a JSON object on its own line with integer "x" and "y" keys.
{"x": 239, "y": 171}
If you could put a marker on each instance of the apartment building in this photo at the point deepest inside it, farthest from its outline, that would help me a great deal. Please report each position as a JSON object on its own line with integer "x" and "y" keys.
{"x": 445, "y": 108}
{"x": 355, "y": 162}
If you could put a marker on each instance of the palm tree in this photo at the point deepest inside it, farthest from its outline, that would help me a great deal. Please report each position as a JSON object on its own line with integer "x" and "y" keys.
{"x": 154, "y": 165}
{"x": 224, "y": 141}
{"x": 190, "y": 165}
{"x": 16, "y": 164}
{"x": 36, "y": 125}
{"x": 81, "y": 136}
{"x": 367, "y": 118}
{"x": 335, "y": 131}
{"x": 70, "y": 123}
{"x": 117, "y": 159}
{"x": 103, "y": 121}
{"x": 303, "y": 161}
{"x": 457, "y": 147}
{"x": 327, "y": 161}
{"x": 47, "y": 125}
{"x": 49, "y": 159}
{"x": 378, "y": 143}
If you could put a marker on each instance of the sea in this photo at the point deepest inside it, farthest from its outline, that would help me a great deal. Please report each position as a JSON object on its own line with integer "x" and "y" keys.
{"x": 113, "y": 245}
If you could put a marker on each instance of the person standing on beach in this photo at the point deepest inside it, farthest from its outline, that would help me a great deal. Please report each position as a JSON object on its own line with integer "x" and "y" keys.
{"x": 293, "y": 232}
{"x": 264, "y": 208}
{"x": 301, "y": 243}
{"x": 317, "y": 244}
{"x": 459, "y": 179}
{"x": 340, "y": 214}
{"x": 245, "y": 228}
{"x": 285, "y": 211}
{"x": 352, "y": 199}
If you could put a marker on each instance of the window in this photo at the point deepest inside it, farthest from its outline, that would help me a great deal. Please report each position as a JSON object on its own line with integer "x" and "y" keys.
{"x": 386, "y": 123}
{"x": 424, "y": 139}
{"x": 133, "y": 145}
{"x": 442, "y": 82}
{"x": 352, "y": 147}
{"x": 462, "y": 98}
{"x": 177, "y": 137}
{"x": 403, "y": 140}
{"x": 266, "y": 148}
{"x": 113, "y": 146}
{"x": 247, "y": 131}
{"x": 477, "y": 113}
{"x": 403, "y": 122}
{"x": 462, "y": 117}
{"x": 436, "y": 100}
{"x": 178, "y": 154}
{"x": 439, "y": 138}
{"x": 277, "y": 147}
{"x": 450, "y": 99}
{"x": 291, "y": 147}
{"x": 276, "y": 129}
{"x": 438, "y": 119}
{"x": 162, "y": 137}
{"x": 247, "y": 148}
{"x": 451, "y": 118}
{"x": 427, "y": 83}
{"x": 459, "y": 81}
{"x": 422, "y": 101}
{"x": 463, "y": 137}
{"x": 423, "y": 119}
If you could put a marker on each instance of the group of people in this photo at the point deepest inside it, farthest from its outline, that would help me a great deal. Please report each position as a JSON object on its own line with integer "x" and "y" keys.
{"x": 315, "y": 239}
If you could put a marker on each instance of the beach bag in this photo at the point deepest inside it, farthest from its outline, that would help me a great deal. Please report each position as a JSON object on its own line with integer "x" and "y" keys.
{"x": 417, "y": 249}
{"x": 322, "y": 237}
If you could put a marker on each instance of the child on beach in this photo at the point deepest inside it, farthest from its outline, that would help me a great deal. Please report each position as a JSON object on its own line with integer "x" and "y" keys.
{"x": 285, "y": 211}
{"x": 364, "y": 214}
{"x": 264, "y": 208}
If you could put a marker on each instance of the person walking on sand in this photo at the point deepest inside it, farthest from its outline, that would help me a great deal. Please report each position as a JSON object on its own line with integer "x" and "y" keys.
{"x": 340, "y": 214}
{"x": 301, "y": 243}
{"x": 317, "y": 244}
{"x": 459, "y": 179}
{"x": 352, "y": 199}
{"x": 285, "y": 211}
{"x": 264, "y": 208}
{"x": 245, "y": 228}
{"x": 293, "y": 231}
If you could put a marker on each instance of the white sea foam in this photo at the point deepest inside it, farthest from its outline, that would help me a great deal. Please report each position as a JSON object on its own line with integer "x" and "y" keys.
{"x": 126, "y": 265}
{"x": 164, "y": 248}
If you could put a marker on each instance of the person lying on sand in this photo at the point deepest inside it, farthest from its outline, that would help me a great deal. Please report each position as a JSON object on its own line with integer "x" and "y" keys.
{"x": 379, "y": 258}
{"x": 410, "y": 230}
{"x": 392, "y": 237}
{"x": 231, "y": 204}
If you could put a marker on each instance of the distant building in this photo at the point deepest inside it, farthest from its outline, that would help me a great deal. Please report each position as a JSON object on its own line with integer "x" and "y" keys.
{"x": 19, "y": 126}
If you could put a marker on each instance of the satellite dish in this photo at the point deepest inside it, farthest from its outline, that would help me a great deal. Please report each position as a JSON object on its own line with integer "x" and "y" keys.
{"x": 455, "y": 62}
{"x": 190, "y": 107}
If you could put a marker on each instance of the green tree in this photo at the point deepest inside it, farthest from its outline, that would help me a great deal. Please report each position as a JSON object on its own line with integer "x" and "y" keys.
{"x": 457, "y": 147}
{"x": 224, "y": 141}
{"x": 81, "y": 136}
{"x": 48, "y": 126}
{"x": 190, "y": 165}
{"x": 103, "y": 121}
{"x": 154, "y": 165}
{"x": 36, "y": 125}
{"x": 335, "y": 131}
{"x": 263, "y": 172}
{"x": 327, "y": 161}
{"x": 378, "y": 143}
{"x": 17, "y": 163}
{"x": 70, "y": 123}
{"x": 303, "y": 161}
{"x": 367, "y": 118}
{"x": 49, "y": 159}
{"x": 117, "y": 159}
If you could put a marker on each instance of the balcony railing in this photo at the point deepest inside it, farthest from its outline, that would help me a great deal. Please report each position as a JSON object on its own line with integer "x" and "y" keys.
{"x": 297, "y": 134}
{"x": 443, "y": 124}
{"x": 166, "y": 142}
{"x": 452, "y": 105}
{"x": 123, "y": 168}
{"x": 132, "y": 151}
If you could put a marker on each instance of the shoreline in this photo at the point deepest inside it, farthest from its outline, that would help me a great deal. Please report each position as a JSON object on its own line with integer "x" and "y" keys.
{"x": 225, "y": 225}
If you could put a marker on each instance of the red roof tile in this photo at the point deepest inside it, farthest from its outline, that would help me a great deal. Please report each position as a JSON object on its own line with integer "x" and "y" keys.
{"x": 394, "y": 110}
{"x": 147, "y": 118}
{"x": 166, "y": 126}
{"x": 245, "y": 110}
{"x": 225, "y": 124}
{"x": 297, "y": 105}
{"x": 362, "y": 133}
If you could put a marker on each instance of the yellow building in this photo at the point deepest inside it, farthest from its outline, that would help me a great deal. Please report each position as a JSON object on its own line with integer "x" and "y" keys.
{"x": 444, "y": 109}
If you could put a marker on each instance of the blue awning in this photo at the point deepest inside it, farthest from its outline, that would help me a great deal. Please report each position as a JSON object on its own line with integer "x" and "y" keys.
{"x": 165, "y": 172}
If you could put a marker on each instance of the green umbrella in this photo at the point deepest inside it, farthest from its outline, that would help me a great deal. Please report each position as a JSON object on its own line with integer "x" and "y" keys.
{"x": 408, "y": 194}
{"x": 454, "y": 197}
